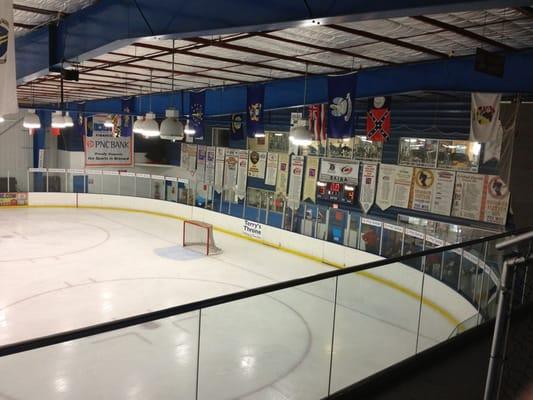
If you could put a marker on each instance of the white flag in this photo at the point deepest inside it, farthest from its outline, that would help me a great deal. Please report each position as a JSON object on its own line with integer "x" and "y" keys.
{"x": 8, "y": 75}
{"x": 485, "y": 118}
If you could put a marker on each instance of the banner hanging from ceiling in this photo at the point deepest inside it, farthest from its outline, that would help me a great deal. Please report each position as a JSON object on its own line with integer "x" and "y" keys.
{"x": 255, "y": 99}
{"x": 103, "y": 147}
{"x": 317, "y": 122}
{"x": 237, "y": 127}
{"x": 197, "y": 112}
{"x": 378, "y": 119}
{"x": 485, "y": 119}
{"x": 8, "y": 73}
{"x": 368, "y": 186}
{"x": 341, "y": 96}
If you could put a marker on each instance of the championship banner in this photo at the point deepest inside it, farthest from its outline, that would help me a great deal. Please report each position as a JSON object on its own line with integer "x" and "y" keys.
{"x": 341, "y": 96}
{"x": 317, "y": 122}
{"x": 296, "y": 180}
{"x": 402, "y": 186}
{"x": 495, "y": 200}
{"x": 368, "y": 186}
{"x": 103, "y": 148}
{"x": 123, "y": 124}
{"x": 257, "y": 164}
{"x": 271, "y": 169}
{"x": 237, "y": 127}
{"x": 255, "y": 98}
{"x": 311, "y": 176}
{"x": 184, "y": 156}
{"x": 210, "y": 165}
{"x": 332, "y": 170}
{"x": 220, "y": 159}
{"x": 242, "y": 174}
{"x": 13, "y": 199}
{"x": 197, "y": 112}
{"x": 385, "y": 185}
{"x": 191, "y": 155}
{"x": 378, "y": 119}
{"x": 422, "y": 189}
{"x": 283, "y": 174}
{"x": 8, "y": 74}
{"x": 200, "y": 164}
{"x": 230, "y": 168}
{"x": 485, "y": 119}
{"x": 468, "y": 195}
{"x": 441, "y": 202}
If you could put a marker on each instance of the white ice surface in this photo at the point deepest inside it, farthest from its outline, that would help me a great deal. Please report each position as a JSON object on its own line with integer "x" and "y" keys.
{"x": 62, "y": 269}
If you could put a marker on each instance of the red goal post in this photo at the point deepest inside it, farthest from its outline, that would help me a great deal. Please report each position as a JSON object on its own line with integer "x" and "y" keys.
{"x": 198, "y": 236}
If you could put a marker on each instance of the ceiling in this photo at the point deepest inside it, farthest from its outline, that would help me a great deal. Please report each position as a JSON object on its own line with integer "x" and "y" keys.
{"x": 200, "y": 62}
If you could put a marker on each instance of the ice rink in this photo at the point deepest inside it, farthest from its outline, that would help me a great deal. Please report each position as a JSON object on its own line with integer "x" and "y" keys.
{"x": 62, "y": 269}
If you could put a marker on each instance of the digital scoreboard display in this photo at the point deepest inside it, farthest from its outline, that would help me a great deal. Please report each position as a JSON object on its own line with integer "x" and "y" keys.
{"x": 336, "y": 192}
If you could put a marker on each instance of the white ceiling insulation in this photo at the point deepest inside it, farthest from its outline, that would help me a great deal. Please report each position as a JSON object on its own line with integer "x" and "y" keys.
{"x": 241, "y": 58}
{"x": 31, "y": 14}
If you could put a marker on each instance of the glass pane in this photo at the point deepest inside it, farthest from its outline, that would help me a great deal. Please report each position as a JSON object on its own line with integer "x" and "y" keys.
{"x": 376, "y": 322}
{"x": 110, "y": 182}
{"x": 95, "y": 181}
{"x": 274, "y": 346}
{"x": 56, "y": 180}
{"x": 143, "y": 185}
{"x": 127, "y": 186}
{"x": 156, "y": 360}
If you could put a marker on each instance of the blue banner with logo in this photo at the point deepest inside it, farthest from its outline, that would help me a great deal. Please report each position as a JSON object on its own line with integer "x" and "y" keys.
{"x": 124, "y": 122}
{"x": 255, "y": 100}
{"x": 197, "y": 113}
{"x": 237, "y": 127}
{"x": 341, "y": 97}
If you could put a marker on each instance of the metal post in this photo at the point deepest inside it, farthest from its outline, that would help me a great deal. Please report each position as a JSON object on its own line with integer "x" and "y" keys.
{"x": 46, "y": 181}
{"x": 8, "y": 182}
{"x": 460, "y": 270}
{"x": 28, "y": 179}
{"x": 268, "y": 198}
{"x": 316, "y": 222}
{"x": 119, "y": 183}
{"x": 135, "y": 185}
{"x": 502, "y": 320}
{"x": 66, "y": 181}
{"x": 151, "y": 187}
{"x": 283, "y": 215}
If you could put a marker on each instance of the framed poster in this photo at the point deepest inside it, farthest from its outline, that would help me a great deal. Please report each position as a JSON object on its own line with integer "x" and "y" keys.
{"x": 278, "y": 141}
{"x": 340, "y": 148}
{"x": 296, "y": 180}
{"x": 342, "y": 171}
{"x": 257, "y": 164}
{"x": 468, "y": 195}
{"x": 418, "y": 152}
{"x": 459, "y": 155}
{"x": 271, "y": 169}
{"x": 364, "y": 149}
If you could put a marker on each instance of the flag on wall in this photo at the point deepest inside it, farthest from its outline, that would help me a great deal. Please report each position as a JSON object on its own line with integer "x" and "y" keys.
{"x": 237, "y": 127}
{"x": 378, "y": 119}
{"x": 197, "y": 113}
{"x": 485, "y": 117}
{"x": 341, "y": 95}
{"x": 317, "y": 122}
{"x": 8, "y": 74}
{"x": 255, "y": 99}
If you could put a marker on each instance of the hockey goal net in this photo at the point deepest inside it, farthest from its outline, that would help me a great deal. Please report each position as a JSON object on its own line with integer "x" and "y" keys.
{"x": 198, "y": 236}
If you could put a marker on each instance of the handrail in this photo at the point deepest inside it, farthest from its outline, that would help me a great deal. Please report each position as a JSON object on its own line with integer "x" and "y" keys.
{"x": 66, "y": 336}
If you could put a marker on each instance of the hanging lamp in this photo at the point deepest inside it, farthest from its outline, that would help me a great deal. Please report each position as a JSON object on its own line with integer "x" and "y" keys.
{"x": 31, "y": 119}
{"x": 299, "y": 135}
{"x": 150, "y": 127}
{"x": 171, "y": 127}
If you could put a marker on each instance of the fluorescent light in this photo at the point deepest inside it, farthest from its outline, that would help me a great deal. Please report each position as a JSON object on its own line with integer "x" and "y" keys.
{"x": 321, "y": 184}
{"x": 31, "y": 120}
{"x": 278, "y": 134}
{"x": 189, "y": 130}
{"x": 349, "y": 188}
{"x": 259, "y": 135}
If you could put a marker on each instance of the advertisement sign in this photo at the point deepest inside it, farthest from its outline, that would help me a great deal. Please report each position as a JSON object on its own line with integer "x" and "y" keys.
{"x": 252, "y": 229}
{"x": 402, "y": 186}
{"x": 103, "y": 148}
{"x": 332, "y": 170}
{"x": 468, "y": 196}
{"x": 13, "y": 199}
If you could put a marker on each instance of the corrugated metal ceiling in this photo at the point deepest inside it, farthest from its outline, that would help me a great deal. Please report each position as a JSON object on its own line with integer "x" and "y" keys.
{"x": 260, "y": 56}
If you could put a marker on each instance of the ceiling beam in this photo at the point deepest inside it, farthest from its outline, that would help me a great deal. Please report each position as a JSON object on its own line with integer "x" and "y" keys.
{"x": 385, "y": 39}
{"x": 25, "y": 26}
{"x": 264, "y": 53}
{"x": 323, "y": 48}
{"x": 462, "y": 32}
{"x": 36, "y": 10}
{"x": 527, "y": 11}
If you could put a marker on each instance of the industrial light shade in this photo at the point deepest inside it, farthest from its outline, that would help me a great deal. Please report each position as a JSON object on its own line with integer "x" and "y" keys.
{"x": 171, "y": 128}
{"x": 58, "y": 121}
{"x": 150, "y": 127}
{"x": 69, "y": 123}
{"x": 31, "y": 120}
{"x": 137, "y": 125}
{"x": 259, "y": 135}
{"x": 189, "y": 130}
{"x": 2, "y": 119}
{"x": 300, "y": 135}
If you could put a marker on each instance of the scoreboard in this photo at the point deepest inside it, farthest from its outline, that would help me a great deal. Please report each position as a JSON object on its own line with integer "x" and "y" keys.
{"x": 336, "y": 192}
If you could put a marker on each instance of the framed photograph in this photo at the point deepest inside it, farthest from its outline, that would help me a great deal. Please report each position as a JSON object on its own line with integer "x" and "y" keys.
{"x": 340, "y": 148}
{"x": 459, "y": 155}
{"x": 364, "y": 149}
{"x": 418, "y": 152}
{"x": 278, "y": 141}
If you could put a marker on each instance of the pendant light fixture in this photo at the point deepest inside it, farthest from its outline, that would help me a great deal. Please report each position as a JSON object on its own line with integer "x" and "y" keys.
{"x": 171, "y": 127}
{"x": 150, "y": 127}
{"x": 2, "y": 119}
{"x": 69, "y": 123}
{"x": 189, "y": 129}
{"x": 58, "y": 121}
{"x": 31, "y": 120}
{"x": 299, "y": 135}
{"x": 139, "y": 121}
